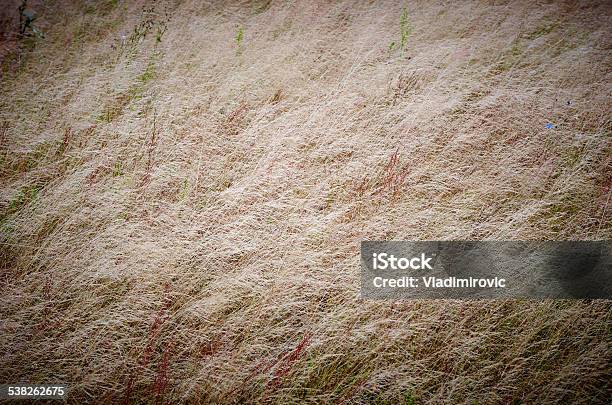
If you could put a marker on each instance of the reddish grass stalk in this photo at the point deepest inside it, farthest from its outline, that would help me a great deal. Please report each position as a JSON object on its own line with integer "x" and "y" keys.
{"x": 150, "y": 149}
{"x": 287, "y": 363}
{"x": 161, "y": 380}
{"x": 154, "y": 330}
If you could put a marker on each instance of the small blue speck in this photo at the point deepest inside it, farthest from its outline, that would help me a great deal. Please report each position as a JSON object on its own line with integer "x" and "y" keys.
{"x": 549, "y": 126}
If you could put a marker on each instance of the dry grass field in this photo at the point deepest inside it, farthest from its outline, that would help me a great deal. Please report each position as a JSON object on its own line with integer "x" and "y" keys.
{"x": 184, "y": 186}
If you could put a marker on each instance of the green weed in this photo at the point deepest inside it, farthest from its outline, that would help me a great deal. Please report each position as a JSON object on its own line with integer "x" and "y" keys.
{"x": 184, "y": 191}
{"x": 161, "y": 29}
{"x": 542, "y": 30}
{"x": 117, "y": 169}
{"x": 26, "y": 194}
{"x": 239, "y": 38}
{"x": 148, "y": 74}
{"x": 409, "y": 398}
{"x": 405, "y": 31}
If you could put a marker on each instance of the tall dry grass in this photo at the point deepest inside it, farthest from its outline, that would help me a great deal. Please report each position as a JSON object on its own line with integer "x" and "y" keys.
{"x": 181, "y": 212}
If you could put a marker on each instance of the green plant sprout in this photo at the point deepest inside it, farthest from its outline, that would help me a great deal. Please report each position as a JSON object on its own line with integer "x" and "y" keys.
{"x": 405, "y": 31}
{"x": 239, "y": 39}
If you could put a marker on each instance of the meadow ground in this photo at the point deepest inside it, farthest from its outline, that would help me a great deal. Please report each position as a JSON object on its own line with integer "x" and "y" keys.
{"x": 184, "y": 186}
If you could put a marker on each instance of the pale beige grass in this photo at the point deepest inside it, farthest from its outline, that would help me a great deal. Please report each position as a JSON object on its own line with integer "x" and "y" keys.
{"x": 181, "y": 219}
